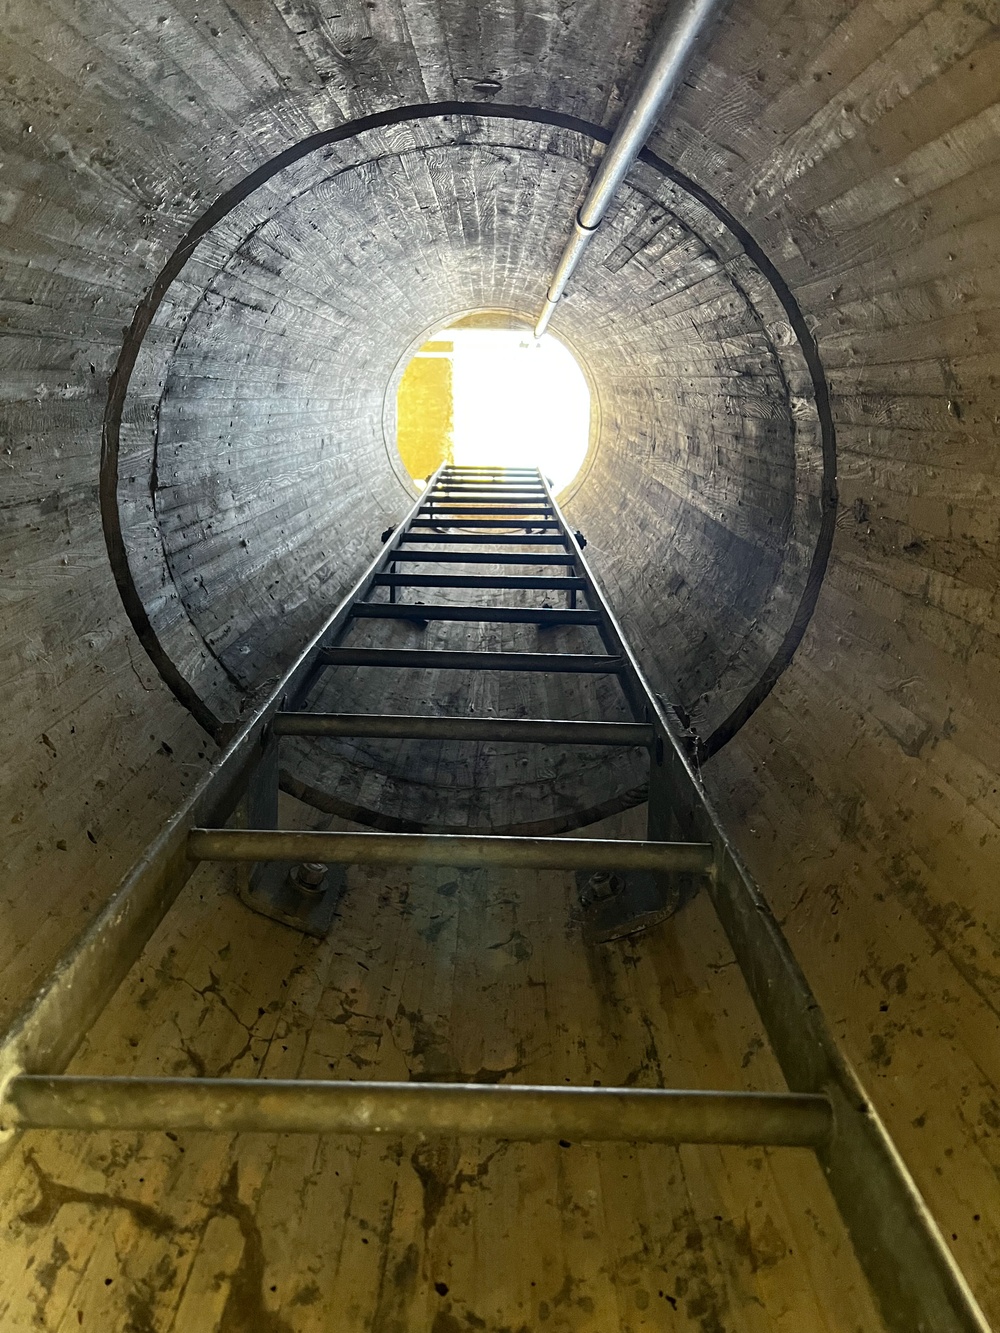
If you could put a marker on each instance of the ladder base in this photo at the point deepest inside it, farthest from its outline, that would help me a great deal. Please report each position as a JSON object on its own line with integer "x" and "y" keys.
{"x": 268, "y": 891}
{"x": 618, "y": 904}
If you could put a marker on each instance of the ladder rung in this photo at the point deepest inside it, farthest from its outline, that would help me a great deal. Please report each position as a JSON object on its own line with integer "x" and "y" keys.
{"x": 484, "y": 557}
{"x": 489, "y": 492}
{"x": 536, "y": 581}
{"x": 491, "y": 539}
{"x": 522, "y": 1113}
{"x": 459, "y": 508}
{"x": 389, "y": 726}
{"x": 448, "y": 849}
{"x": 459, "y": 520}
{"x": 488, "y": 615}
{"x": 533, "y": 515}
{"x": 445, "y": 660}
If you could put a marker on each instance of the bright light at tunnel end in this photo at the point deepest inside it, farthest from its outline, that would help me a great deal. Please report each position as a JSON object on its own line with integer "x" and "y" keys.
{"x": 516, "y": 401}
{"x": 521, "y": 402}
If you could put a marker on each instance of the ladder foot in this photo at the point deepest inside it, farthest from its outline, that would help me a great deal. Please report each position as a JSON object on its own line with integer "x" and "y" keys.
{"x": 617, "y": 904}
{"x": 294, "y": 894}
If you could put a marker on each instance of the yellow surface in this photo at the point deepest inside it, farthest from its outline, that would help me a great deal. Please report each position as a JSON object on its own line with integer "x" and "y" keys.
{"x": 424, "y": 411}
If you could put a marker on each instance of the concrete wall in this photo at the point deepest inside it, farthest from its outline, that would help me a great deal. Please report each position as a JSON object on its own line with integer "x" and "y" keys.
{"x": 859, "y": 148}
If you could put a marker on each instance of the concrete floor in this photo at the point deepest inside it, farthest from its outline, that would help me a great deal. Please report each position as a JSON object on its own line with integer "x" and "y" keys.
{"x": 437, "y": 975}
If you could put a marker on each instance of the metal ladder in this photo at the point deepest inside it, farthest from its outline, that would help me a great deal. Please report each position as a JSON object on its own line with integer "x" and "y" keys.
{"x": 918, "y": 1286}
{"x": 494, "y": 518}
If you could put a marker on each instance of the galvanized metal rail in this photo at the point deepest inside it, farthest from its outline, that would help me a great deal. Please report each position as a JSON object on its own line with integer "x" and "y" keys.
{"x": 917, "y": 1284}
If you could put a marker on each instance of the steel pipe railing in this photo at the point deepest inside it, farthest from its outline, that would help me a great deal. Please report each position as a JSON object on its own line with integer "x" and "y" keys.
{"x": 668, "y": 61}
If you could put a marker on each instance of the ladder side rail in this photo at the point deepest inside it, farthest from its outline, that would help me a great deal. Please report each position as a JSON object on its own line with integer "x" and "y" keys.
{"x": 637, "y": 694}
{"x": 50, "y": 1026}
{"x": 343, "y": 617}
{"x": 263, "y": 783}
{"x": 918, "y": 1285}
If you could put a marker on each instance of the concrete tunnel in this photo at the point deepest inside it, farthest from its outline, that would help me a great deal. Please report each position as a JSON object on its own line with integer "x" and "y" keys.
{"x": 788, "y": 326}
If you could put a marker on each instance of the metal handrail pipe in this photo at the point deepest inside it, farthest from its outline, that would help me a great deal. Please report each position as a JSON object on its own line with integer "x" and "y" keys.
{"x": 500, "y": 729}
{"x": 447, "y": 849}
{"x": 516, "y": 1113}
{"x": 666, "y": 65}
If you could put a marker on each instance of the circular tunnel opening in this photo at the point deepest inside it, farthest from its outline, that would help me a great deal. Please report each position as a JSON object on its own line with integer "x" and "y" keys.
{"x": 483, "y": 391}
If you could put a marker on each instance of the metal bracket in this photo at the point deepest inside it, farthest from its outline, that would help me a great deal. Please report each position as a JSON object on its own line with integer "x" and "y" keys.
{"x": 303, "y": 896}
{"x": 621, "y": 903}
{"x": 276, "y": 889}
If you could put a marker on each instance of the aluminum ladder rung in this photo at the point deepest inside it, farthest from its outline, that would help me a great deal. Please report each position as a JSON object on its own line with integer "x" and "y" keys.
{"x": 448, "y": 849}
{"x": 486, "y": 538}
{"x": 517, "y": 1113}
{"x": 446, "y": 520}
{"x": 552, "y": 582}
{"x": 485, "y": 557}
{"x": 902, "y": 1251}
{"x": 490, "y": 492}
{"x": 442, "y": 659}
{"x": 458, "y": 507}
{"x": 497, "y": 615}
{"x": 543, "y": 731}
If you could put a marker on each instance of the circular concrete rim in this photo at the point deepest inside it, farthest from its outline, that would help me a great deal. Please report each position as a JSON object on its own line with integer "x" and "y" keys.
{"x": 389, "y": 398}
{"x": 119, "y": 384}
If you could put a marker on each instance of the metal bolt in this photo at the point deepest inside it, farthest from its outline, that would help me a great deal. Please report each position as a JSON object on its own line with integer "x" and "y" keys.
{"x": 308, "y": 877}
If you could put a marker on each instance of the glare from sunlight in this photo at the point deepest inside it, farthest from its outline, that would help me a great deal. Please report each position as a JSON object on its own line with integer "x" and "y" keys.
{"x": 519, "y": 402}
{"x": 514, "y": 401}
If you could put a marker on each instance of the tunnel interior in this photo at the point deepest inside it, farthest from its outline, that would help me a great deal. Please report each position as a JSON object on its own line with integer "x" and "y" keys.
{"x": 707, "y": 494}
{"x": 224, "y": 228}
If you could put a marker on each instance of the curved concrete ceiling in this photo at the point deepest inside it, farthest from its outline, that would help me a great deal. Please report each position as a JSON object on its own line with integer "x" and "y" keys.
{"x": 251, "y": 474}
